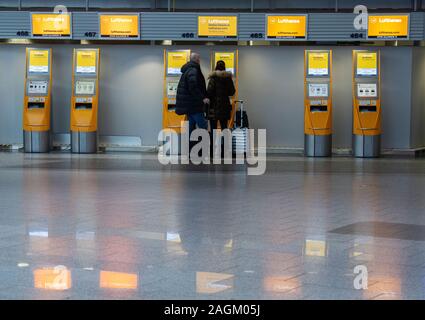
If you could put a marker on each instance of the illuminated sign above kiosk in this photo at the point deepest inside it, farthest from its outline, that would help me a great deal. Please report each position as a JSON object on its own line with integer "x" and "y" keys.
{"x": 51, "y": 25}
{"x": 287, "y": 27}
{"x": 217, "y": 26}
{"x": 388, "y": 26}
{"x": 119, "y": 26}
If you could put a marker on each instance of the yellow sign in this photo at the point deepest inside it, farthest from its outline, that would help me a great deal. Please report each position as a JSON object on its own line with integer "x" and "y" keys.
{"x": 367, "y": 63}
{"x": 218, "y": 26}
{"x": 86, "y": 61}
{"x": 118, "y": 280}
{"x": 119, "y": 26}
{"x": 318, "y": 63}
{"x": 391, "y": 26}
{"x": 51, "y": 25}
{"x": 57, "y": 278}
{"x": 228, "y": 58}
{"x": 38, "y": 61}
{"x": 176, "y": 60}
{"x": 292, "y": 27}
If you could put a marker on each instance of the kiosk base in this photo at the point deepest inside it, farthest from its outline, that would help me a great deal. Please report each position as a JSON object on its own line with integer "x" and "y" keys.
{"x": 317, "y": 146}
{"x": 83, "y": 142}
{"x": 366, "y": 146}
{"x": 36, "y": 141}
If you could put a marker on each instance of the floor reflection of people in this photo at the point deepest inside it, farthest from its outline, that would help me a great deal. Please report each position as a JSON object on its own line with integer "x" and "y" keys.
{"x": 205, "y": 226}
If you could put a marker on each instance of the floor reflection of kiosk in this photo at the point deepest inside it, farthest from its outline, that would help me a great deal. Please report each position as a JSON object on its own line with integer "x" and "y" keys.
{"x": 318, "y": 103}
{"x": 230, "y": 58}
{"x": 84, "y": 102}
{"x": 37, "y": 100}
{"x": 366, "y": 104}
{"x": 173, "y": 61}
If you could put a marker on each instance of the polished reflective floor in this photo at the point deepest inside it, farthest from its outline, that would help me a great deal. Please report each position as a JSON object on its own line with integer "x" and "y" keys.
{"x": 122, "y": 226}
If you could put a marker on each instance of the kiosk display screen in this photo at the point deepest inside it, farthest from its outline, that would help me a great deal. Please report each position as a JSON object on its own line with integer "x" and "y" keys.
{"x": 318, "y": 63}
{"x": 367, "y": 64}
{"x": 175, "y": 60}
{"x": 228, "y": 58}
{"x": 38, "y": 61}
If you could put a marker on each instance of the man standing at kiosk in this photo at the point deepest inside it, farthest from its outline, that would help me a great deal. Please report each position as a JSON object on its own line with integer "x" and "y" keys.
{"x": 192, "y": 93}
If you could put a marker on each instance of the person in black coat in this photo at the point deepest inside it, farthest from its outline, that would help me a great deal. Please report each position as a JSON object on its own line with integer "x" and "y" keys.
{"x": 220, "y": 88}
{"x": 192, "y": 94}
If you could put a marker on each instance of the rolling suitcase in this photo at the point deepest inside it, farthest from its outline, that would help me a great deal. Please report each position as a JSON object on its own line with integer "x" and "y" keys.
{"x": 240, "y": 141}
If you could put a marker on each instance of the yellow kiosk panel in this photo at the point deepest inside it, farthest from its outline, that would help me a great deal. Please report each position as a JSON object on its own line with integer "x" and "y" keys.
{"x": 366, "y": 103}
{"x": 318, "y": 103}
{"x": 173, "y": 61}
{"x": 85, "y": 100}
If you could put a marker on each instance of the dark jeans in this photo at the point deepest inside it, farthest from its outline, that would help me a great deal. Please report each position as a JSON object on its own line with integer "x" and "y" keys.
{"x": 196, "y": 119}
{"x": 223, "y": 124}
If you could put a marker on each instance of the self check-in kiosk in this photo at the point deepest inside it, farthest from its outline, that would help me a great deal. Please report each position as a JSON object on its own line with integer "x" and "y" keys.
{"x": 366, "y": 103}
{"x": 85, "y": 100}
{"x": 173, "y": 61}
{"x": 230, "y": 58}
{"x": 318, "y": 103}
{"x": 37, "y": 100}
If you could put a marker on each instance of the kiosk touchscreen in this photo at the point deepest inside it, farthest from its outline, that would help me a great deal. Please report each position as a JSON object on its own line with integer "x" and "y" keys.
{"x": 84, "y": 101}
{"x": 366, "y": 103}
{"x": 37, "y": 100}
{"x": 318, "y": 103}
{"x": 230, "y": 58}
{"x": 173, "y": 61}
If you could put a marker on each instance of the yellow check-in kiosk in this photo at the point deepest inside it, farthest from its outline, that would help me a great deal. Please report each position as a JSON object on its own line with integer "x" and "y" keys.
{"x": 366, "y": 103}
{"x": 318, "y": 103}
{"x": 230, "y": 58}
{"x": 173, "y": 61}
{"x": 37, "y": 100}
{"x": 85, "y": 100}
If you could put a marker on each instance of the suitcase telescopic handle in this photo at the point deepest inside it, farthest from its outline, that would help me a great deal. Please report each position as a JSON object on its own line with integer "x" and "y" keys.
{"x": 241, "y": 102}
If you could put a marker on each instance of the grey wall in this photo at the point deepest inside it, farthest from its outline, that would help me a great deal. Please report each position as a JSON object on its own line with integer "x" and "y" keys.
{"x": 418, "y": 98}
{"x": 270, "y": 80}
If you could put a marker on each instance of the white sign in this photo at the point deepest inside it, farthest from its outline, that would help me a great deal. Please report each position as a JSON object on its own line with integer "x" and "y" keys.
{"x": 318, "y": 90}
{"x": 84, "y": 87}
{"x": 37, "y": 87}
{"x": 367, "y": 90}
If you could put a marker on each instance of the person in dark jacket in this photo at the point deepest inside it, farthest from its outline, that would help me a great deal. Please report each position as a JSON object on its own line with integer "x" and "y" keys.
{"x": 192, "y": 94}
{"x": 220, "y": 88}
